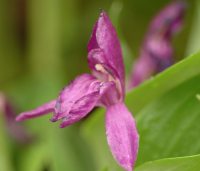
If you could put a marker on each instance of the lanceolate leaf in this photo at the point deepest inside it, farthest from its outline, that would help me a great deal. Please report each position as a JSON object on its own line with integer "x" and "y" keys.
{"x": 191, "y": 163}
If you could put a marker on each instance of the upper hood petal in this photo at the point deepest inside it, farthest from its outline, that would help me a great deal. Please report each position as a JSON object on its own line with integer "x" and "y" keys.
{"x": 104, "y": 37}
{"x": 122, "y": 135}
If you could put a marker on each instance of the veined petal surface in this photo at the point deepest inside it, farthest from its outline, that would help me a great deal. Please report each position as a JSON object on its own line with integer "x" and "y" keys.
{"x": 122, "y": 135}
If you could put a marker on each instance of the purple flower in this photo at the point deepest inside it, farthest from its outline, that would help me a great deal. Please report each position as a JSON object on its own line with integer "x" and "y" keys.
{"x": 104, "y": 87}
{"x": 157, "y": 53}
{"x": 17, "y": 132}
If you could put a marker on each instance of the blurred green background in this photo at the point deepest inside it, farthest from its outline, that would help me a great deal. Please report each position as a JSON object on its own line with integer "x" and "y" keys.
{"x": 43, "y": 46}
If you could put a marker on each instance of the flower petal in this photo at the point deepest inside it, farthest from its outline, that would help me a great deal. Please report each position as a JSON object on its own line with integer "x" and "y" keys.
{"x": 161, "y": 53}
{"x": 104, "y": 37}
{"x": 78, "y": 98}
{"x": 42, "y": 110}
{"x": 143, "y": 68}
{"x": 80, "y": 109}
{"x": 170, "y": 19}
{"x": 104, "y": 71}
{"x": 164, "y": 25}
{"x": 157, "y": 52}
{"x": 109, "y": 94}
{"x": 97, "y": 58}
{"x": 122, "y": 135}
{"x": 86, "y": 103}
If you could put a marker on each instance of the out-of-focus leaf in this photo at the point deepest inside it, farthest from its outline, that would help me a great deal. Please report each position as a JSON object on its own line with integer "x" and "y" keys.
{"x": 115, "y": 15}
{"x": 69, "y": 151}
{"x": 168, "y": 121}
{"x": 44, "y": 38}
{"x": 105, "y": 169}
{"x": 190, "y": 163}
{"x": 35, "y": 158}
{"x": 5, "y": 160}
{"x": 10, "y": 54}
{"x": 56, "y": 149}
{"x": 193, "y": 43}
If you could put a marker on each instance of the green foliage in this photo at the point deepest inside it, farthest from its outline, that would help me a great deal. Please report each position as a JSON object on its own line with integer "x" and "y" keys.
{"x": 191, "y": 163}
{"x": 169, "y": 126}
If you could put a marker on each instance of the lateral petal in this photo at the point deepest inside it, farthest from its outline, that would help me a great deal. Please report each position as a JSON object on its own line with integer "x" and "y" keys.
{"x": 85, "y": 104}
{"x": 122, "y": 135}
{"x": 39, "y": 111}
{"x": 80, "y": 109}
{"x": 78, "y": 98}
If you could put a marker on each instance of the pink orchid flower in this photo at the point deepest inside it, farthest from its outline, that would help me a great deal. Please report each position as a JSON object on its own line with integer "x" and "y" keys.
{"x": 104, "y": 87}
{"x": 157, "y": 52}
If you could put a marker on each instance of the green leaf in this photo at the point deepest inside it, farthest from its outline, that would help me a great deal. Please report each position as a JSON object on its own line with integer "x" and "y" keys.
{"x": 168, "y": 116}
{"x": 169, "y": 126}
{"x": 172, "y": 164}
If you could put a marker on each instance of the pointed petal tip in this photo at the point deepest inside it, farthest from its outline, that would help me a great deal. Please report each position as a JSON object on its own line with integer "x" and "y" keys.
{"x": 101, "y": 11}
{"x": 39, "y": 111}
{"x": 19, "y": 118}
{"x": 103, "y": 16}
